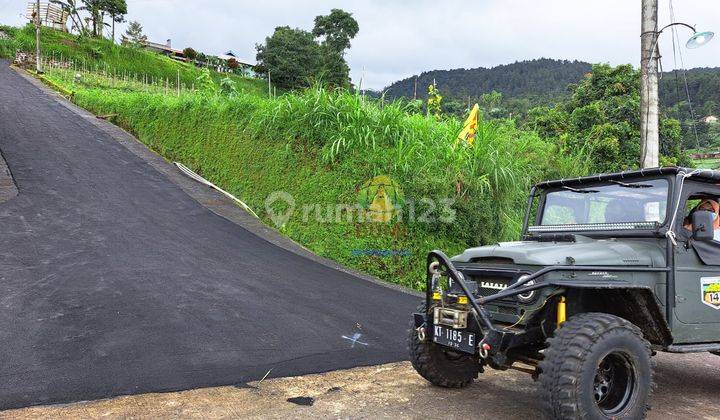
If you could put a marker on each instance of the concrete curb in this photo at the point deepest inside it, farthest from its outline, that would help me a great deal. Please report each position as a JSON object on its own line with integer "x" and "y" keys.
{"x": 207, "y": 197}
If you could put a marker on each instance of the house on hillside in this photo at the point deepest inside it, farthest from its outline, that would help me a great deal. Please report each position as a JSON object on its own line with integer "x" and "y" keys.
{"x": 164, "y": 49}
{"x": 710, "y": 119}
{"x": 245, "y": 66}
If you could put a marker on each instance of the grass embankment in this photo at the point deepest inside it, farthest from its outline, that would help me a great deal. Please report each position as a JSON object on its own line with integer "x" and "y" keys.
{"x": 710, "y": 163}
{"x": 321, "y": 147}
{"x": 101, "y": 55}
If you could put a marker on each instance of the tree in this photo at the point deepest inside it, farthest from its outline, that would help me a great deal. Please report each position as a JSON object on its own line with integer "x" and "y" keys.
{"x": 294, "y": 58}
{"x": 94, "y": 8}
{"x": 134, "y": 33}
{"x": 602, "y": 117}
{"x": 190, "y": 53}
{"x": 337, "y": 28}
{"x": 117, "y": 9}
{"x": 291, "y": 56}
{"x": 334, "y": 69}
{"x": 233, "y": 64}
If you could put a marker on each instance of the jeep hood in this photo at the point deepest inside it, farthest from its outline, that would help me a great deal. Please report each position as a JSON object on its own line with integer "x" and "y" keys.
{"x": 585, "y": 251}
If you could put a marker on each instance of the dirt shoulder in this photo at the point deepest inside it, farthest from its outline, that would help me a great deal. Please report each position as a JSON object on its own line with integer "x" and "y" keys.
{"x": 686, "y": 388}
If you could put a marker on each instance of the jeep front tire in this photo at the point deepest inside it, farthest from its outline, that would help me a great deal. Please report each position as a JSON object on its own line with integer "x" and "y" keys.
{"x": 439, "y": 365}
{"x": 597, "y": 366}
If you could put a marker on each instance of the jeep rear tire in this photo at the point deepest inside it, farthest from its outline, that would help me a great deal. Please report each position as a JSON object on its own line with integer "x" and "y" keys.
{"x": 439, "y": 365}
{"x": 597, "y": 366}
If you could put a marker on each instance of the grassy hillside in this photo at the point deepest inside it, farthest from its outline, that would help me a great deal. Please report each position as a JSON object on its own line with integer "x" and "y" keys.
{"x": 321, "y": 148}
{"x": 102, "y": 55}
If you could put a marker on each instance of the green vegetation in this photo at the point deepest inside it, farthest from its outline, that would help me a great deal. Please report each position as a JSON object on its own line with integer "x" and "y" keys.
{"x": 525, "y": 85}
{"x": 710, "y": 163}
{"x": 295, "y": 59}
{"x": 704, "y": 89}
{"x": 321, "y": 146}
{"x": 522, "y": 85}
{"x": 101, "y": 55}
{"x": 95, "y": 11}
{"x": 601, "y": 116}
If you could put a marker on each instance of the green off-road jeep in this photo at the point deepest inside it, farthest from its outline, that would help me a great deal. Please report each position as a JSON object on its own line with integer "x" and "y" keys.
{"x": 610, "y": 269}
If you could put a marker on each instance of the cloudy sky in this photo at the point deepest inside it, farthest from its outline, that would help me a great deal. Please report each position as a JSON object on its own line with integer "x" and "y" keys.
{"x": 400, "y": 38}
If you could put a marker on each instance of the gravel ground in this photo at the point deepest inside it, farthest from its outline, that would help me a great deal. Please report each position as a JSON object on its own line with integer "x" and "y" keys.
{"x": 687, "y": 388}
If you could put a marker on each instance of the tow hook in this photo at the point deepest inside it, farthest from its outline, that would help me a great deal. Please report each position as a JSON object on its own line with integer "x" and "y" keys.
{"x": 420, "y": 333}
{"x": 484, "y": 349}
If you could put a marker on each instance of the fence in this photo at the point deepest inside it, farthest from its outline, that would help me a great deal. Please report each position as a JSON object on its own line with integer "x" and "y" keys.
{"x": 102, "y": 76}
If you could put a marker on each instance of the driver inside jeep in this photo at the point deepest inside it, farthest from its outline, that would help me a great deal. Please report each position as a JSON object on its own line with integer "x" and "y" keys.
{"x": 707, "y": 204}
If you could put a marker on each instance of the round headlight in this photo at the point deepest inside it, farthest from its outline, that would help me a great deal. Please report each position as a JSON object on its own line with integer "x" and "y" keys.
{"x": 526, "y": 297}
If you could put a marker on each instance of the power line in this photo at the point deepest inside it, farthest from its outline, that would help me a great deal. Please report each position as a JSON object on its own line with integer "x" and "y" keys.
{"x": 676, "y": 38}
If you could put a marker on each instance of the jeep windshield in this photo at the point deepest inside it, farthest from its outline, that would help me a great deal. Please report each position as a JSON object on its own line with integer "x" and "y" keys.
{"x": 611, "y": 205}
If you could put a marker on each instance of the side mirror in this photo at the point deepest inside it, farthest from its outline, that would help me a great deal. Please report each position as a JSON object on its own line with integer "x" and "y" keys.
{"x": 702, "y": 225}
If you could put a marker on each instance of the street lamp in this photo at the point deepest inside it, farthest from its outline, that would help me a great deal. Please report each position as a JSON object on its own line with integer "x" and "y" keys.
{"x": 699, "y": 39}
{"x": 696, "y": 41}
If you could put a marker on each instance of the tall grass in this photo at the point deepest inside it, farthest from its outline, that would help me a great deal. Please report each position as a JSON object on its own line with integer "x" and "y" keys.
{"x": 422, "y": 152}
{"x": 321, "y": 145}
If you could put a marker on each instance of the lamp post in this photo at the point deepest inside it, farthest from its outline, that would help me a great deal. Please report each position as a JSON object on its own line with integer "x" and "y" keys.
{"x": 649, "y": 124}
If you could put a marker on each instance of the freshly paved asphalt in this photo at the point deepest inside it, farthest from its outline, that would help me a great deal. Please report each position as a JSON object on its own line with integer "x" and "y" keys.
{"x": 114, "y": 281}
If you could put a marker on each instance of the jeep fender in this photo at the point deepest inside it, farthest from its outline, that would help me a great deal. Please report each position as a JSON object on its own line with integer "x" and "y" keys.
{"x": 634, "y": 303}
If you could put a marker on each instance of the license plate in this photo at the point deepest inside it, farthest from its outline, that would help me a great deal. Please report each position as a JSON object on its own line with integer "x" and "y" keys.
{"x": 458, "y": 339}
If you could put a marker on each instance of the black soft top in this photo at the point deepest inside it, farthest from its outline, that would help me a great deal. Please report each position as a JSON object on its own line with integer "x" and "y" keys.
{"x": 707, "y": 174}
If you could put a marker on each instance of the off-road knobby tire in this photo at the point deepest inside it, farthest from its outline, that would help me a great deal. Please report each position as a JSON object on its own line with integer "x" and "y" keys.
{"x": 574, "y": 352}
{"x": 433, "y": 362}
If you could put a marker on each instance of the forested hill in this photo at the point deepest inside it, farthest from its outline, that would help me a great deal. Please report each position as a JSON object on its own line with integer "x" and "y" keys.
{"x": 544, "y": 80}
{"x": 703, "y": 86}
{"x": 543, "y": 77}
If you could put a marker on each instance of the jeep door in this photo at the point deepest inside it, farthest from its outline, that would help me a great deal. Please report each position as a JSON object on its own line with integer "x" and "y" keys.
{"x": 697, "y": 274}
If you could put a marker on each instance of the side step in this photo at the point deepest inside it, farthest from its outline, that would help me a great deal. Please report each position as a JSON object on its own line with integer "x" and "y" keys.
{"x": 693, "y": 348}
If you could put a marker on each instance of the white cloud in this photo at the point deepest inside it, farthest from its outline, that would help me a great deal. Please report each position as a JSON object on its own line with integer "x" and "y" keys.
{"x": 401, "y": 38}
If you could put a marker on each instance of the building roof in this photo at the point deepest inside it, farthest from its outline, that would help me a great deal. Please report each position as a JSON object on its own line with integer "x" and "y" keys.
{"x": 159, "y": 46}
{"x": 227, "y": 57}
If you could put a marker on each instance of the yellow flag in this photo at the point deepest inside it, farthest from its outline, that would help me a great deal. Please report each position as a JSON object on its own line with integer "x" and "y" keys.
{"x": 469, "y": 130}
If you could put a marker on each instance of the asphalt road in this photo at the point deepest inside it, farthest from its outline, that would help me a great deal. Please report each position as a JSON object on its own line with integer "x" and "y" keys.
{"x": 114, "y": 281}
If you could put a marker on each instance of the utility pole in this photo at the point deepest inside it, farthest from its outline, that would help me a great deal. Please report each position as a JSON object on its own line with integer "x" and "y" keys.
{"x": 38, "y": 22}
{"x": 649, "y": 56}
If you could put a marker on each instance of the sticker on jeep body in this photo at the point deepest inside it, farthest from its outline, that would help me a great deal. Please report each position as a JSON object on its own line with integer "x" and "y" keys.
{"x": 710, "y": 291}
